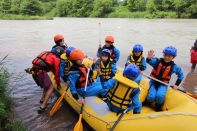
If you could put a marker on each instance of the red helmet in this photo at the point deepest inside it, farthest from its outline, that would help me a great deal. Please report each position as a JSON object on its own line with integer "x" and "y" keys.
{"x": 58, "y": 37}
{"x": 109, "y": 39}
{"x": 77, "y": 55}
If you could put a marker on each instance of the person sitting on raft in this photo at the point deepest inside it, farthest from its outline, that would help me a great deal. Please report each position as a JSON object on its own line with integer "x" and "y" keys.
{"x": 106, "y": 68}
{"x": 65, "y": 64}
{"x": 115, "y": 53}
{"x": 163, "y": 69}
{"x": 122, "y": 94}
{"x": 77, "y": 78}
{"x": 59, "y": 41}
{"x": 137, "y": 57}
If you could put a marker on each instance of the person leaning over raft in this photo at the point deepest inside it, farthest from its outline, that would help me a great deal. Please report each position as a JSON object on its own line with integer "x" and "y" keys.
{"x": 137, "y": 57}
{"x": 77, "y": 78}
{"x": 193, "y": 54}
{"x": 46, "y": 62}
{"x": 115, "y": 53}
{"x": 163, "y": 69}
{"x": 121, "y": 94}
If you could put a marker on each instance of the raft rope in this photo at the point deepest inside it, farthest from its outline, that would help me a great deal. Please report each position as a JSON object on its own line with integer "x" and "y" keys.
{"x": 108, "y": 125}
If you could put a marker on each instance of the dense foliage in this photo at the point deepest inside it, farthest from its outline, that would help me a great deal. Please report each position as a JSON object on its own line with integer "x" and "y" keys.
{"x": 101, "y": 8}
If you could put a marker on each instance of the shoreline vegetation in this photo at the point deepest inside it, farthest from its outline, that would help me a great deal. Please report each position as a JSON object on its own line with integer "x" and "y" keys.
{"x": 7, "y": 120}
{"x": 48, "y": 9}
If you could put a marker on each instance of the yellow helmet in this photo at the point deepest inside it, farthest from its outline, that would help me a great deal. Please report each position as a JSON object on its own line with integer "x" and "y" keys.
{"x": 88, "y": 62}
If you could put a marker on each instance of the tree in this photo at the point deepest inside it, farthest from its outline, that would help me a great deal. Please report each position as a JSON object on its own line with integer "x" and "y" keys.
{"x": 101, "y": 8}
{"x": 136, "y": 5}
{"x": 31, "y": 7}
{"x": 5, "y": 6}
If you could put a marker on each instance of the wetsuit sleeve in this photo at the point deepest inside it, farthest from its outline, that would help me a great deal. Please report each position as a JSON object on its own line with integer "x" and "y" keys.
{"x": 72, "y": 77}
{"x": 178, "y": 71}
{"x": 109, "y": 84}
{"x": 114, "y": 68}
{"x": 153, "y": 61}
{"x": 117, "y": 54}
{"x": 143, "y": 66}
{"x": 57, "y": 70}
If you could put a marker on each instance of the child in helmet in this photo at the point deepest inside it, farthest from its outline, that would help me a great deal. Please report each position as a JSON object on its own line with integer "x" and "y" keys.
{"x": 65, "y": 64}
{"x": 193, "y": 54}
{"x": 106, "y": 68}
{"x": 115, "y": 53}
{"x": 163, "y": 68}
{"x": 137, "y": 57}
{"x": 124, "y": 91}
{"x": 77, "y": 78}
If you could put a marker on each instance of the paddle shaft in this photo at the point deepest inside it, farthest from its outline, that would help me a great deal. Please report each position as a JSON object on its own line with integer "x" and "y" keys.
{"x": 84, "y": 94}
{"x": 120, "y": 117}
{"x": 161, "y": 82}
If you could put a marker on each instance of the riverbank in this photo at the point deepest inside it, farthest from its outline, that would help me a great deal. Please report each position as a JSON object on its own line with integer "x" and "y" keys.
{"x": 7, "y": 120}
{"x": 23, "y": 17}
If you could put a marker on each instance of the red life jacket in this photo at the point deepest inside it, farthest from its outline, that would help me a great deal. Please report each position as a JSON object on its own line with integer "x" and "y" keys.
{"x": 82, "y": 78}
{"x": 163, "y": 72}
{"x": 40, "y": 63}
{"x": 193, "y": 56}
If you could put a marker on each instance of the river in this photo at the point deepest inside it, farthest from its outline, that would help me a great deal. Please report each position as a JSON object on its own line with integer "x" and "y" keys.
{"x": 23, "y": 40}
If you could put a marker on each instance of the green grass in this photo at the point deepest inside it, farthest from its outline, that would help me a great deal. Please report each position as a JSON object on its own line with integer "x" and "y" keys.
{"x": 23, "y": 17}
{"x": 7, "y": 122}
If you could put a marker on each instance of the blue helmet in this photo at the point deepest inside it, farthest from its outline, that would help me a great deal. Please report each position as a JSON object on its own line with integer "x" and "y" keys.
{"x": 170, "y": 50}
{"x": 58, "y": 50}
{"x": 106, "y": 51}
{"x": 131, "y": 71}
{"x": 68, "y": 51}
{"x": 137, "y": 48}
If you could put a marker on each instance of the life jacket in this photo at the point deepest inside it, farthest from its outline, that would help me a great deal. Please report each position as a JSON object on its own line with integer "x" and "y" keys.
{"x": 39, "y": 63}
{"x": 163, "y": 72}
{"x": 193, "y": 56}
{"x": 105, "y": 70}
{"x": 139, "y": 60}
{"x": 82, "y": 78}
{"x": 68, "y": 64}
{"x": 121, "y": 94}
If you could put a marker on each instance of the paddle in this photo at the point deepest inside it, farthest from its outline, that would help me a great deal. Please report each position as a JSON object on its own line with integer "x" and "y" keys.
{"x": 99, "y": 34}
{"x": 57, "y": 104}
{"x": 192, "y": 95}
{"x": 120, "y": 117}
{"x": 79, "y": 125}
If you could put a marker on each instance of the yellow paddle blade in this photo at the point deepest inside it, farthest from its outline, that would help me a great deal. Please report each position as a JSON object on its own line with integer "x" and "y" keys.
{"x": 57, "y": 104}
{"x": 79, "y": 125}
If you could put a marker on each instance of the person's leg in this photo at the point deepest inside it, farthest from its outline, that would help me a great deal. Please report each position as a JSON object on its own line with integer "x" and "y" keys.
{"x": 47, "y": 96}
{"x": 193, "y": 67}
{"x": 160, "y": 96}
{"x": 152, "y": 93}
{"x": 43, "y": 96}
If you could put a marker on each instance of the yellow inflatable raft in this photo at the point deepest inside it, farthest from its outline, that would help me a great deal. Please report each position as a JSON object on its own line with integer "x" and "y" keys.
{"x": 180, "y": 112}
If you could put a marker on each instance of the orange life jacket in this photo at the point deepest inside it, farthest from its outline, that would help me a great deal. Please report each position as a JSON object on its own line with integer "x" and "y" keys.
{"x": 40, "y": 63}
{"x": 163, "y": 72}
